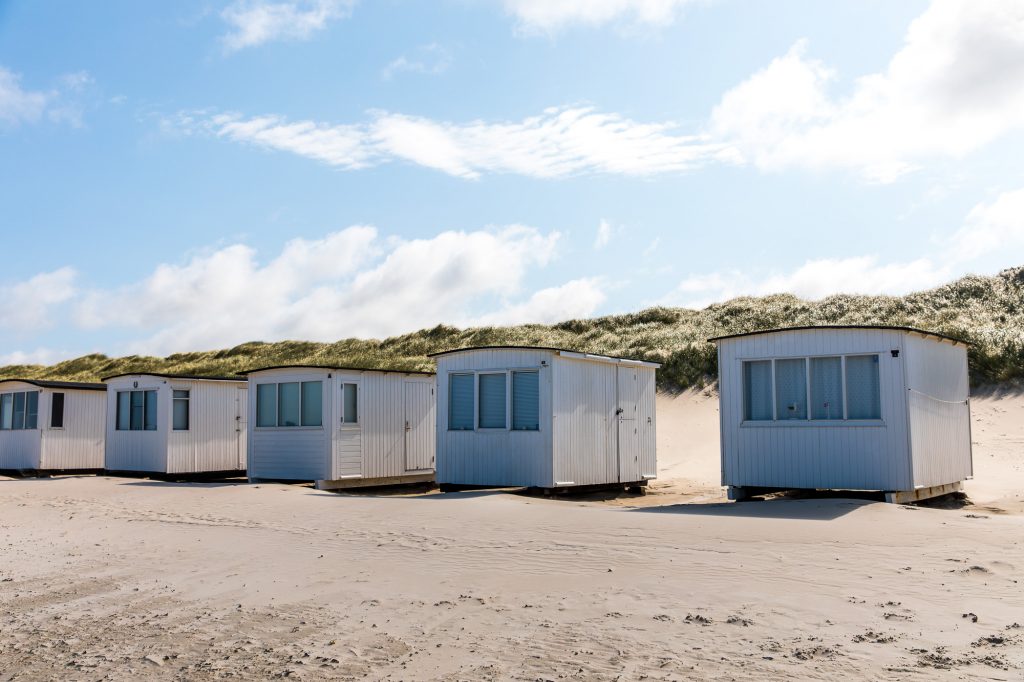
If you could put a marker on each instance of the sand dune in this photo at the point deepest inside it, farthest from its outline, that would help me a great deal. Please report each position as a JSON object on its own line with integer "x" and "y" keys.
{"x": 108, "y": 577}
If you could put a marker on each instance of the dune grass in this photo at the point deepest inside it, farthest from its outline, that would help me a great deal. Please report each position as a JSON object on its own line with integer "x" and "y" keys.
{"x": 986, "y": 311}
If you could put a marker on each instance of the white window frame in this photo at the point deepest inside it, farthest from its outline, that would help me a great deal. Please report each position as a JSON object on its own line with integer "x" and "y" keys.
{"x": 24, "y": 416}
{"x": 507, "y": 371}
{"x": 277, "y": 401}
{"x": 175, "y": 389}
{"x": 775, "y": 422}
{"x": 358, "y": 423}
{"x": 143, "y": 390}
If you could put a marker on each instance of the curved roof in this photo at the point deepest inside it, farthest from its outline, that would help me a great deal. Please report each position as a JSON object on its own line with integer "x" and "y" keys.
{"x": 192, "y": 377}
{"x": 912, "y": 330}
{"x": 71, "y": 385}
{"x": 547, "y": 348}
{"x": 336, "y": 367}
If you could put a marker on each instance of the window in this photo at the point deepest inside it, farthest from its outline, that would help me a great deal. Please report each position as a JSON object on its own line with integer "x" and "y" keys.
{"x": 19, "y": 411}
{"x": 266, "y": 405}
{"x": 791, "y": 389}
{"x": 31, "y": 409}
{"x": 525, "y": 401}
{"x": 136, "y": 411}
{"x": 57, "y": 411}
{"x": 492, "y": 401}
{"x": 461, "y": 399}
{"x": 827, "y": 388}
{"x": 180, "y": 412}
{"x": 350, "y": 403}
{"x": 757, "y": 390}
{"x": 289, "y": 404}
{"x": 840, "y": 388}
{"x": 312, "y": 403}
{"x": 863, "y": 390}
{"x": 6, "y": 411}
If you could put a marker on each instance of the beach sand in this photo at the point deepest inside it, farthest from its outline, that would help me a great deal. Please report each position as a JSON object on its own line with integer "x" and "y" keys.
{"x": 105, "y": 578}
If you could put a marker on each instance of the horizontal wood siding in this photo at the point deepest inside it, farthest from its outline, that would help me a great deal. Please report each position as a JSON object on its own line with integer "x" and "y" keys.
{"x": 495, "y": 458}
{"x": 806, "y": 454}
{"x": 137, "y": 450}
{"x": 80, "y": 443}
{"x": 212, "y": 440}
{"x": 584, "y": 424}
{"x": 940, "y": 420}
{"x": 298, "y": 453}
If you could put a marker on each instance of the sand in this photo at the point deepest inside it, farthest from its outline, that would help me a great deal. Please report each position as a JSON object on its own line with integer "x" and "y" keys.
{"x": 105, "y": 578}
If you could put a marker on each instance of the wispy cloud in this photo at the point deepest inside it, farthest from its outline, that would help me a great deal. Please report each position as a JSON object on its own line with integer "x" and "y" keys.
{"x": 988, "y": 228}
{"x": 429, "y": 60}
{"x": 255, "y": 22}
{"x": 62, "y": 103}
{"x": 27, "y": 306}
{"x": 605, "y": 231}
{"x": 547, "y": 16}
{"x": 560, "y": 142}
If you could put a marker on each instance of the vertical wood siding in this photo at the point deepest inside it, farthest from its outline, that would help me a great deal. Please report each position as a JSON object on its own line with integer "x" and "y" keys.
{"x": 80, "y": 444}
{"x": 805, "y": 454}
{"x": 213, "y": 441}
{"x": 137, "y": 450}
{"x": 940, "y": 422}
{"x": 495, "y": 458}
{"x": 647, "y": 416}
{"x": 584, "y": 426}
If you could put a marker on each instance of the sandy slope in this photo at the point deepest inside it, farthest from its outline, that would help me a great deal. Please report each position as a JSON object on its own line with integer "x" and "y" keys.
{"x": 104, "y": 577}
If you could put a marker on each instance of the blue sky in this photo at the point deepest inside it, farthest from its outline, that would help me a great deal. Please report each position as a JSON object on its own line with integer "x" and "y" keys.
{"x": 191, "y": 175}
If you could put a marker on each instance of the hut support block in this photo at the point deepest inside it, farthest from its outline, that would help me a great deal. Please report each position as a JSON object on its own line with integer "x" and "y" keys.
{"x": 905, "y": 496}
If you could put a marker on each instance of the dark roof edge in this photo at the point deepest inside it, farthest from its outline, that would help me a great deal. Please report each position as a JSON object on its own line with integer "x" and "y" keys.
{"x": 190, "y": 377}
{"x": 545, "y": 348}
{"x": 336, "y": 368}
{"x": 911, "y": 330}
{"x": 73, "y": 385}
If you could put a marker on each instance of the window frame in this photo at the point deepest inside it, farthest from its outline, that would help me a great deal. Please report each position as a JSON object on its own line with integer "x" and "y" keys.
{"x": 276, "y": 383}
{"x": 809, "y": 420}
{"x": 509, "y": 378}
{"x": 342, "y": 383}
{"x": 144, "y": 424}
{"x": 188, "y": 407}
{"x": 63, "y": 410}
{"x": 24, "y": 410}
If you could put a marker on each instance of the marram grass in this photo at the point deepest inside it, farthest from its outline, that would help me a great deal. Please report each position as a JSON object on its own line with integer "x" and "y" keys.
{"x": 986, "y": 311}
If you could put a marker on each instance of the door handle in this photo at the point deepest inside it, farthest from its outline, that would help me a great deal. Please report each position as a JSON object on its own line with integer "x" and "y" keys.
{"x": 619, "y": 411}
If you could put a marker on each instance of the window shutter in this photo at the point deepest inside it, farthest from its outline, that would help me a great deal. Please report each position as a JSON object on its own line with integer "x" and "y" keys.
{"x": 525, "y": 401}
{"x": 492, "y": 401}
{"x": 460, "y": 402}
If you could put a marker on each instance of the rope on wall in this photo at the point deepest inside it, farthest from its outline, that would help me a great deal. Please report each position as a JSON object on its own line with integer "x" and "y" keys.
{"x": 940, "y": 400}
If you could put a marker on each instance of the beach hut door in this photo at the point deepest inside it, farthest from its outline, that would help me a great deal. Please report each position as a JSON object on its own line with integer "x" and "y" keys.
{"x": 629, "y": 436}
{"x": 242, "y": 425}
{"x": 419, "y": 440}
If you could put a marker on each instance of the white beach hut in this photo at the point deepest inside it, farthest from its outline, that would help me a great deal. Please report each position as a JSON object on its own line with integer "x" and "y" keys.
{"x": 50, "y": 426}
{"x": 341, "y": 427}
{"x": 176, "y": 424}
{"x": 844, "y": 408}
{"x": 545, "y": 418}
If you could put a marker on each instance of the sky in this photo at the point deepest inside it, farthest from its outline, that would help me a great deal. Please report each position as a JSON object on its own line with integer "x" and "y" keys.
{"x": 192, "y": 175}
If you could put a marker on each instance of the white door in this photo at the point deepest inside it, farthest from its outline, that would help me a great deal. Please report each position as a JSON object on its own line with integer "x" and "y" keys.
{"x": 629, "y": 435}
{"x": 242, "y": 426}
{"x": 419, "y": 419}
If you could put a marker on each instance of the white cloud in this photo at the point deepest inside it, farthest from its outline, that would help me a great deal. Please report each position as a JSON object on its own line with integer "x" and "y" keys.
{"x": 26, "y": 306}
{"x": 18, "y": 105}
{"x": 560, "y": 142}
{"x": 604, "y": 234}
{"x": 954, "y": 86}
{"x": 430, "y": 60}
{"x": 350, "y": 283}
{"x": 254, "y": 22}
{"x": 551, "y": 15}
{"x": 39, "y": 356}
{"x": 989, "y": 228}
